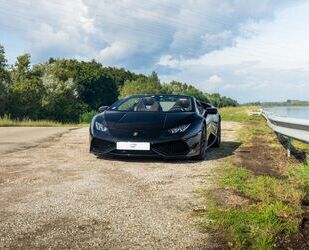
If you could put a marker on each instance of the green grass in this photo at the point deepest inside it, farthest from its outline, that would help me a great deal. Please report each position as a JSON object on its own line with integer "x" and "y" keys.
{"x": 305, "y": 178}
{"x": 300, "y": 174}
{"x": 251, "y": 228}
{"x": 275, "y": 208}
{"x": 273, "y": 205}
{"x": 301, "y": 145}
{"x": 260, "y": 187}
{"x": 257, "y": 128}
{"x": 239, "y": 114}
{"x": 8, "y": 122}
{"x": 255, "y": 227}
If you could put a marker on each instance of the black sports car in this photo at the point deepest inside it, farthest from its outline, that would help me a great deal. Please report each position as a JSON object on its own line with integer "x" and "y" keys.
{"x": 169, "y": 126}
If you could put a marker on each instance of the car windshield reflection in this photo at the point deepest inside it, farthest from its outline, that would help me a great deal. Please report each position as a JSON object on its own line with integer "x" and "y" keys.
{"x": 155, "y": 103}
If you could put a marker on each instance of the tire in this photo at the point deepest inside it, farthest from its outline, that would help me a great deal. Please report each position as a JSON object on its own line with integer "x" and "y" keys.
{"x": 203, "y": 146}
{"x": 218, "y": 139}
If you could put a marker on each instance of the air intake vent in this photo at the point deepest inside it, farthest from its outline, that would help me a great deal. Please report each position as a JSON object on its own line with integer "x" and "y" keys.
{"x": 172, "y": 148}
{"x": 102, "y": 145}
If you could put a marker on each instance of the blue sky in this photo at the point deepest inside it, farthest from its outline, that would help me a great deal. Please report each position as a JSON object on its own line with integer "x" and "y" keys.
{"x": 254, "y": 50}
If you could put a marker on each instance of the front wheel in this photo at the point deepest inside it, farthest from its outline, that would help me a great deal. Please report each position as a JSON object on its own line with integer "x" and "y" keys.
{"x": 203, "y": 145}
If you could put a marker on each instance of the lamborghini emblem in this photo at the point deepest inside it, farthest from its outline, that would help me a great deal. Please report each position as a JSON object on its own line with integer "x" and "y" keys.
{"x": 135, "y": 134}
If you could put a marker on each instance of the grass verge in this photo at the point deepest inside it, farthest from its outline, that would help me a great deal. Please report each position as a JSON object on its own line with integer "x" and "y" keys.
{"x": 261, "y": 196}
{"x": 273, "y": 208}
{"x": 8, "y": 122}
{"x": 239, "y": 114}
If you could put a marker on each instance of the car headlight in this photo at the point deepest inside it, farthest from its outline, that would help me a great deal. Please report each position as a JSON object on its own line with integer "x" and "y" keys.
{"x": 100, "y": 127}
{"x": 179, "y": 129}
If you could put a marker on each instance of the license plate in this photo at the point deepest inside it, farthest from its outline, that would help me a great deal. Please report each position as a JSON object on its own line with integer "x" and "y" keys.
{"x": 133, "y": 145}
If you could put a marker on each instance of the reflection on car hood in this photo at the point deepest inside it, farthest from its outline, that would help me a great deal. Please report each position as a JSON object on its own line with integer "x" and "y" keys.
{"x": 146, "y": 120}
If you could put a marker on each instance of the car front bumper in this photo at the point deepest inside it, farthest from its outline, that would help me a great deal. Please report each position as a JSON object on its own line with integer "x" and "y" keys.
{"x": 169, "y": 148}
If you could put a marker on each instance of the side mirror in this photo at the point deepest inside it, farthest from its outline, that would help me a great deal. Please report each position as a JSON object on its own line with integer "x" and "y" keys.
{"x": 211, "y": 111}
{"x": 103, "y": 108}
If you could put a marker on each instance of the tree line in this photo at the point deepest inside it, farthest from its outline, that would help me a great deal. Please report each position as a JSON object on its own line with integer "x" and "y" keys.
{"x": 65, "y": 89}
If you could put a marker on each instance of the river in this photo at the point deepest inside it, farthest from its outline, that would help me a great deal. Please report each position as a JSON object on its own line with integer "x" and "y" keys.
{"x": 293, "y": 112}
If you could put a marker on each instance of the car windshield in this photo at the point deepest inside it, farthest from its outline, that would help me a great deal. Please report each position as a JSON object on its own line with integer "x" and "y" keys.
{"x": 155, "y": 103}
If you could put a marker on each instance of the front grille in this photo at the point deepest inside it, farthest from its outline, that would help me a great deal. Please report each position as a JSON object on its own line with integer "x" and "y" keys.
{"x": 102, "y": 145}
{"x": 172, "y": 148}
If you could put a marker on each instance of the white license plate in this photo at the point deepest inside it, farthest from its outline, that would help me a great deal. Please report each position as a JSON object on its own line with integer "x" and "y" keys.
{"x": 133, "y": 145}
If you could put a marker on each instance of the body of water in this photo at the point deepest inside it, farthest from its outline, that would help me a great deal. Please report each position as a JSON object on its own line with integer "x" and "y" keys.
{"x": 293, "y": 112}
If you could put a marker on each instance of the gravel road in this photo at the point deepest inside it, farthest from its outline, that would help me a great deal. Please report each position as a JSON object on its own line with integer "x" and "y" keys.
{"x": 17, "y": 138}
{"x": 57, "y": 195}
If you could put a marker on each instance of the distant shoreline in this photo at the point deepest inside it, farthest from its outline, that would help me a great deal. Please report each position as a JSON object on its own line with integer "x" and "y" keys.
{"x": 284, "y": 105}
{"x": 293, "y": 111}
{"x": 287, "y": 103}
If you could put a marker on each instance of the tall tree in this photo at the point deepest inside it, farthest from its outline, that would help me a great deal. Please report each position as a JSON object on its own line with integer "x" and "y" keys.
{"x": 95, "y": 87}
{"x": 154, "y": 77}
{"x": 22, "y": 68}
{"x": 175, "y": 87}
{"x": 4, "y": 82}
{"x": 3, "y": 61}
{"x": 140, "y": 86}
{"x": 27, "y": 90}
{"x": 61, "y": 100}
{"x": 120, "y": 75}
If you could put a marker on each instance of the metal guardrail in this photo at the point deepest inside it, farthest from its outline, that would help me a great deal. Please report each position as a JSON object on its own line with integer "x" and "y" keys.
{"x": 292, "y": 128}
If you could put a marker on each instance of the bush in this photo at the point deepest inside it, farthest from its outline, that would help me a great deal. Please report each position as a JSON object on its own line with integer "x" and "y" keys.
{"x": 87, "y": 116}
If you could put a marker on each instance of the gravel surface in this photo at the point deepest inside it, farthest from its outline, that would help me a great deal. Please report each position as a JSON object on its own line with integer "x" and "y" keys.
{"x": 57, "y": 195}
{"x": 17, "y": 138}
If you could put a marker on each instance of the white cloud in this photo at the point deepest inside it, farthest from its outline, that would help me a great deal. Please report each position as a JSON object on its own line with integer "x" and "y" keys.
{"x": 116, "y": 51}
{"x": 201, "y": 42}
{"x": 213, "y": 40}
{"x": 119, "y": 31}
{"x": 213, "y": 82}
{"x": 50, "y": 28}
{"x": 270, "y": 64}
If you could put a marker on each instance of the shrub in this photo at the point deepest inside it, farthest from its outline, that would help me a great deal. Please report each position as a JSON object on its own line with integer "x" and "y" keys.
{"x": 87, "y": 116}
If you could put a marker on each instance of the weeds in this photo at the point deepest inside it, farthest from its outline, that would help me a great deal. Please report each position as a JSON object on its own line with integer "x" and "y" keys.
{"x": 6, "y": 121}
{"x": 239, "y": 114}
{"x": 276, "y": 208}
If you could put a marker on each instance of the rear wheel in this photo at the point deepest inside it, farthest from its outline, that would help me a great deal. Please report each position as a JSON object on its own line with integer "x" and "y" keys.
{"x": 218, "y": 139}
{"x": 203, "y": 146}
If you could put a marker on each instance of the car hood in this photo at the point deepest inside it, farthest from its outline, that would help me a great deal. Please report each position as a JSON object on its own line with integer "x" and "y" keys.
{"x": 146, "y": 120}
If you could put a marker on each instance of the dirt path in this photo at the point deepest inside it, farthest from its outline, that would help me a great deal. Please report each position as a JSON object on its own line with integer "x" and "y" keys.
{"x": 58, "y": 195}
{"x": 16, "y": 138}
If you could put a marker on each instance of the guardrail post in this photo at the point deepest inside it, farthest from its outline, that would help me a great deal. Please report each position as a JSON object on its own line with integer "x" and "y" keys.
{"x": 289, "y": 146}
